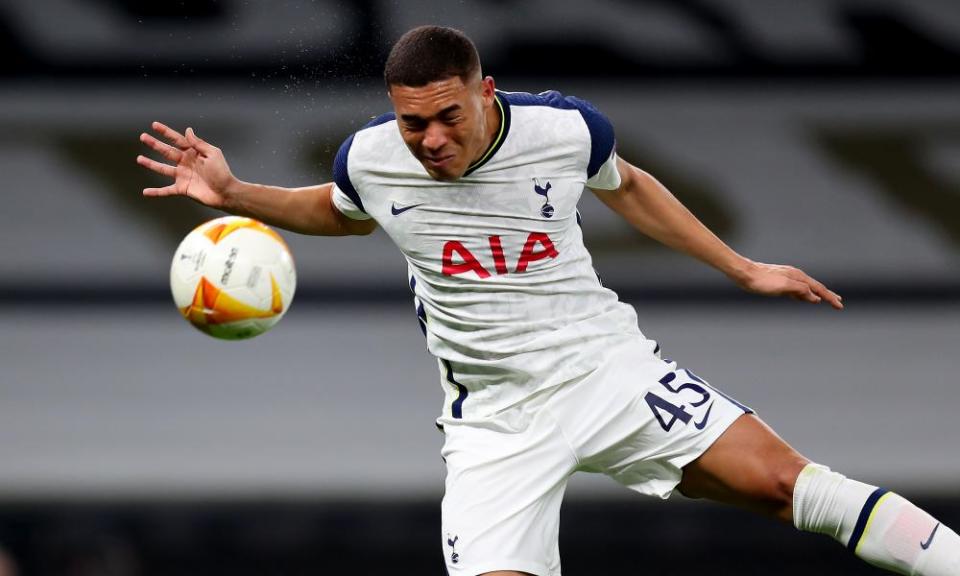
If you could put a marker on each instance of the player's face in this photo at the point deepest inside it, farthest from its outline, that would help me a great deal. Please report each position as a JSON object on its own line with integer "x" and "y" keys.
{"x": 447, "y": 124}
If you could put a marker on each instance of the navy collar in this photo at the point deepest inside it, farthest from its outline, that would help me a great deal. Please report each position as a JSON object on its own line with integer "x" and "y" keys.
{"x": 501, "y": 135}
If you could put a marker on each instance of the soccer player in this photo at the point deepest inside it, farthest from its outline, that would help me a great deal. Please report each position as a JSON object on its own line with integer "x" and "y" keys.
{"x": 545, "y": 371}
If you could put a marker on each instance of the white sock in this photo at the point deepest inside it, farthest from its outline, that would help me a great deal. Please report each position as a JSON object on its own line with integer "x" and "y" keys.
{"x": 882, "y": 528}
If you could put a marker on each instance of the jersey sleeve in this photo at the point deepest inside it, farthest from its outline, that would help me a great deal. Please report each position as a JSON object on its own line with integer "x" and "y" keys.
{"x": 602, "y": 139}
{"x": 602, "y": 170}
{"x": 346, "y": 206}
{"x": 607, "y": 176}
{"x": 345, "y": 196}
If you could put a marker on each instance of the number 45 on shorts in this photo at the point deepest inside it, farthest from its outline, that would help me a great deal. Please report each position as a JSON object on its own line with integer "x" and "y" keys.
{"x": 671, "y": 404}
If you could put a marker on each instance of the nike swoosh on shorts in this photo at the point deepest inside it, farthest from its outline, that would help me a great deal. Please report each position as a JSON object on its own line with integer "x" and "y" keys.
{"x": 706, "y": 416}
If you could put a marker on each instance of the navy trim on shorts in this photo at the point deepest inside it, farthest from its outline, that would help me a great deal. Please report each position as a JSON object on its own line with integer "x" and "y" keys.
{"x": 746, "y": 409}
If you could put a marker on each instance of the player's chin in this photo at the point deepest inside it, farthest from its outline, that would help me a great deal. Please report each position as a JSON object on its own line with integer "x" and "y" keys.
{"x": 444, "y": 174}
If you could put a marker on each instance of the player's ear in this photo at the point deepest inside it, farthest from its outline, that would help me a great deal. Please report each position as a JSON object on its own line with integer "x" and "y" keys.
{"x": 487, "y": 89}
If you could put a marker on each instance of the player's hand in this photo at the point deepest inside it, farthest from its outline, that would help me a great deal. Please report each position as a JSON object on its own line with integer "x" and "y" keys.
{"x": 778, "y": 280}
{"x": 198, "y": 169}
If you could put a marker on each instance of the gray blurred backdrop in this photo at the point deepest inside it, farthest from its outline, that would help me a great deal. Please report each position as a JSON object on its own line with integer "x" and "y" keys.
{"x": 822, "y": 133}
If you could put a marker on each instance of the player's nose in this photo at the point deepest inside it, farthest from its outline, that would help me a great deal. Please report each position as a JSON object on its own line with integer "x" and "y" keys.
{"x": 435, "y": 137}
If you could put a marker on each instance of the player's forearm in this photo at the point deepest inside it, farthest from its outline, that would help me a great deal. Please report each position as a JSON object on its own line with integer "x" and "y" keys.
{"x": 653, "y": 210}
{"x": 307, "y": 210}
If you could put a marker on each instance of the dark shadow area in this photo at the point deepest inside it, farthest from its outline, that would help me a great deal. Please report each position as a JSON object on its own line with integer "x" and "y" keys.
{"x": 374, "y": 537}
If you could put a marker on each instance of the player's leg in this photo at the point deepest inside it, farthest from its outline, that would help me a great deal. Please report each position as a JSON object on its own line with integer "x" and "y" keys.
{"x": 750, "y": 466}
{"x": 505, "y": 483}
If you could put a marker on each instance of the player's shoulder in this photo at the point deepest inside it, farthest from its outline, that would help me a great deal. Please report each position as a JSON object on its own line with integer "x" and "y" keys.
{"x": 546, "y": 99}
{"x": 552, "y": 103}
{"x": 380, "y": 120}
{"x": 374, "y": 146}
{"x": 371, "y": 136}
{"x": 567, "y": 114}
{"x": 553, "y": 100}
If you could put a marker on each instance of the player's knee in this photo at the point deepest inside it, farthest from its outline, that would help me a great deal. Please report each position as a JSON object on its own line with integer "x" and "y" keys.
{"x": 780, "y": 486}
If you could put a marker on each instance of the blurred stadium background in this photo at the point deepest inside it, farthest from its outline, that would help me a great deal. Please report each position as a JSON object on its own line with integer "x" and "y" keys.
{"x": 823, "y": 133}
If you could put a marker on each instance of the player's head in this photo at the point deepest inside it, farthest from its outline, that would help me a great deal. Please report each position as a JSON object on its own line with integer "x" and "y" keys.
{"x": 445, "y": 107}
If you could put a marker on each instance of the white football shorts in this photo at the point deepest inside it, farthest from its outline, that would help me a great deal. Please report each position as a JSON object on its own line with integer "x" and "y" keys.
{"x": 637, "y": 418}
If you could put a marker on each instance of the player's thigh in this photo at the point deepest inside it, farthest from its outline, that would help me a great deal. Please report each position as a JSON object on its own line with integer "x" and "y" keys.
{"x": 749, "y": 466}
{"x": 640, "y": 419}
{"x": 504, "y": 487}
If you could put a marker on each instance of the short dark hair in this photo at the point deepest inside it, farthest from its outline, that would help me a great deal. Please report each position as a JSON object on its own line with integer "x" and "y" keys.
{"x": 430, "y": 53}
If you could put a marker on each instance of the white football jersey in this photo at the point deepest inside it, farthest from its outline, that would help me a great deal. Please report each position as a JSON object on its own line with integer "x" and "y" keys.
{"x": 504, "y": 288}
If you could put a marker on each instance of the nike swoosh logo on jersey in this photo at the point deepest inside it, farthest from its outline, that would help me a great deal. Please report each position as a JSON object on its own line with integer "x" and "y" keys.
{"x": 706, "y": 416}
{"x": 929, "y": 541}
{"x": 398, "y": 210}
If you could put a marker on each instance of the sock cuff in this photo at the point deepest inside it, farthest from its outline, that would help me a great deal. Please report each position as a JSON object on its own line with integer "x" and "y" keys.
{"x": 810, "y": 473}
{"x": 879, "y": 526}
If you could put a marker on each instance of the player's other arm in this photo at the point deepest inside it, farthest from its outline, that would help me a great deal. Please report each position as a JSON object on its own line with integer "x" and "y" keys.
{"x": 307, "y": 210}
{"x": 200, "y": 171}
{"x": 650, "y": 208}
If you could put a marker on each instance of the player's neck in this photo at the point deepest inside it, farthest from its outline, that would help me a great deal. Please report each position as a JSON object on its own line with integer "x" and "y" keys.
{"x": 492, "y": 121}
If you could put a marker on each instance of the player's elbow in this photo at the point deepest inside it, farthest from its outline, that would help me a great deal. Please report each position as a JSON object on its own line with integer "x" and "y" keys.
{"x": 346, "y": 226}
{"x": 642, "y": 181}
{"x": 631, "y": 177}
{"x": 362, "y": 227}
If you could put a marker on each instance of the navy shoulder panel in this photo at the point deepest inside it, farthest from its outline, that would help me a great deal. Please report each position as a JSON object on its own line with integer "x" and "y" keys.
{"x": 381, "y": 119}
{"x": 340, "y": 173}
{"x": 602, "y": 138}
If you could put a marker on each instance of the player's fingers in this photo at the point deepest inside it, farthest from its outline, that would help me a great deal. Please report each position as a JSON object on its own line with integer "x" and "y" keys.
{"x": 203, "y": 146}
{"x": 821, "y": 291}
{"x": 801, "y": 291}
{"x": 158, "y": 167}
{"x": 829, "y": 295}
{"x": 796, "y": 274}
{"x": 172, "y": 136}
{"x": 810, "y": 297}
{"x": 167, "y": 151}
{"x": 164, "y": 191}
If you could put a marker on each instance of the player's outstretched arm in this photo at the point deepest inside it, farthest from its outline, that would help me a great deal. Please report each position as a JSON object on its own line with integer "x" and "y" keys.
{"x": 200, "y": 171}
{"x": 647, "y": 205}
